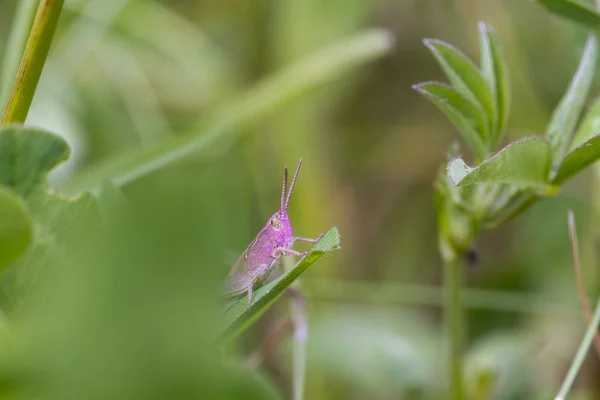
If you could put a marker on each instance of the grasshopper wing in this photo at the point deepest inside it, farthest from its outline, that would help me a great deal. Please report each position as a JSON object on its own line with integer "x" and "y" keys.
{"x": 236, "y": 284}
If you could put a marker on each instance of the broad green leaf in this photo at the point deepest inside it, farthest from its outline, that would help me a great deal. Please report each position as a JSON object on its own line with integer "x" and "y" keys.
{"x": 26, "y": 156}
{"x": 495, "y": 73}
{"x": 576, "y": 10}
{"x": 253, "y": 105}
{"x": 15, "y": 227}
{"x": 464, "y": 76}
{"x": 239, "y": 316}
{"x": 589, "y": 128}
{"x": 524, "y": 163}
{"x": 578, "y": 159}
{"x": 565, "y": 116}
{"x": 467, "y": 116}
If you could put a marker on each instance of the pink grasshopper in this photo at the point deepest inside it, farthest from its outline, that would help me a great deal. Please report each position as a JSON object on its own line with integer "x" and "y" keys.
{"x": 264, "y": 252}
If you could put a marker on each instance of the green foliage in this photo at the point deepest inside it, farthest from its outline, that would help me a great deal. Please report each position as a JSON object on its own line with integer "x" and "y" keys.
{"x": 465, "y": 114}
{"x": 576, "y": 10}
{"x": 15, "y": 227}
{"x": 566, "y": 114}
{"x": 478, "y": 100}
{"x": 495, "y": 73}
{"x": 238, "y": 315}
{"x": 134, "y": 303}
{"x": 524, "y": 163}
{"x": 517, "y": 175}
{"x": 245, "y": 109}
{"x": 26, "y": 156}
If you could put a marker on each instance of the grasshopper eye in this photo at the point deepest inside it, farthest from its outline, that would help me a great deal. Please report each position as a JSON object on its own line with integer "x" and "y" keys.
{"x": 275, "y": 222}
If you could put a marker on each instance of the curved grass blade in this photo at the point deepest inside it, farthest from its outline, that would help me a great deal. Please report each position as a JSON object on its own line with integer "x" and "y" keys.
{"x": 524, "y": 163}
{"x": 467, "y": 116}
{"x": 575, "y": 10}
{"x": 463, "y": 75}
{"x": 565, "y": 116}
{"x": 239, "y": 316}
{"x": 256, "y": 103}
{"x": 495, "y": 73}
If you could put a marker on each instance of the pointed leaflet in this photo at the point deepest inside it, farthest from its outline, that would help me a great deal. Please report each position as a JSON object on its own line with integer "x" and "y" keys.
{"x": 585, "y": 149}
{"x": 495, "y": 73}
{"x": 524, "y": 163}
{"x": 578, "y": 159}
{"x": 464, "y": 76}
{"x": 467, "y": 116}
{"x": 589, "y": 127}
{"x": 238, "y": 317}
{"x": 26, "y": 156}
{"x": 564, "y": 118}
{"x": 576, "y": 10}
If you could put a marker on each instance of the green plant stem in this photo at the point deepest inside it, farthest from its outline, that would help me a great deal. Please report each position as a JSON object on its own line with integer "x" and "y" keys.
{"x": 584, "y": 347}
{"x": 453, "y": 277}
{"x": 32, "y": 62}
{"x": 21, "y": 27}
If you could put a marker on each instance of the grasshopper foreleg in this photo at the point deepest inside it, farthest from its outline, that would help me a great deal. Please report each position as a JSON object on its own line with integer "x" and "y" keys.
{"x": 308, "y": 240}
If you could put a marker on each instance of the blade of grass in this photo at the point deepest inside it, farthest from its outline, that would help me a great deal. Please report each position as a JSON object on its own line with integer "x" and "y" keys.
{"x": 256, "y": 103}
{"x": 239, "y": 316}
{"x": 583, "y": 299}
{"x": 580, "y": 355}
{"x": 32, "y": 62}
{"x": 21, "y": 27}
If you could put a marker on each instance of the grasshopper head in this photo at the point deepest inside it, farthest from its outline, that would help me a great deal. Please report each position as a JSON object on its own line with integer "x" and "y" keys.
{"x": 280, "y": 223}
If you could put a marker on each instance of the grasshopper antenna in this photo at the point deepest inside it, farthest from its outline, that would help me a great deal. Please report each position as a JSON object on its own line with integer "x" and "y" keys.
{"x": 283, "y": 200}
{"x": 287, "y": 200}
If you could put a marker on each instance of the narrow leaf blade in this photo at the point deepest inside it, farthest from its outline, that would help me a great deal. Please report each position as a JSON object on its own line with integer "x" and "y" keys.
{"x": 247, "y": 108}
{"x": 578, "y": 159}
{"x": 524, "y": 163}
{"x": 564, "y": 118}
{"x": 467, "y": 116}
{"x": 464, "y": 76}
{"x": 238, "y": 317}
{"x": 495, "y": 73}
{"x": 575, "y": 10}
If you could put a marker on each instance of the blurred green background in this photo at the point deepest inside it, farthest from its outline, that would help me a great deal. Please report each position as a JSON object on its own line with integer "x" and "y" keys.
{"x": 125, "y": 73}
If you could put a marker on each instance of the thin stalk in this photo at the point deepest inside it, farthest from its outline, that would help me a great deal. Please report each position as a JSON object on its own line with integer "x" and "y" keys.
{"x": 21, "y": 27}
{"x": 453, "y": 314}
{"x": 299, "y": 317}
{"x": 580, "y": 355}
{"x": 32, "y": 62}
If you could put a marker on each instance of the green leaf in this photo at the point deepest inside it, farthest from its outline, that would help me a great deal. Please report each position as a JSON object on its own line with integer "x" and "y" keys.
{"x": 467, "y": 116}
{"x": 464, "y": 76}
{"x": 565, "y": 116}
{"x": 495, "y": 73}
{"x": 26, "y": 156}
{"x": 589, "y": 127}
{"x": 578, "y": 159}
{"x": 239, "y": 316}
{"x": 15, "y": 227}
{"x": 576, "y": 10}
{"x": 524, "y": 163}
{"x": 258, "y": 102}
